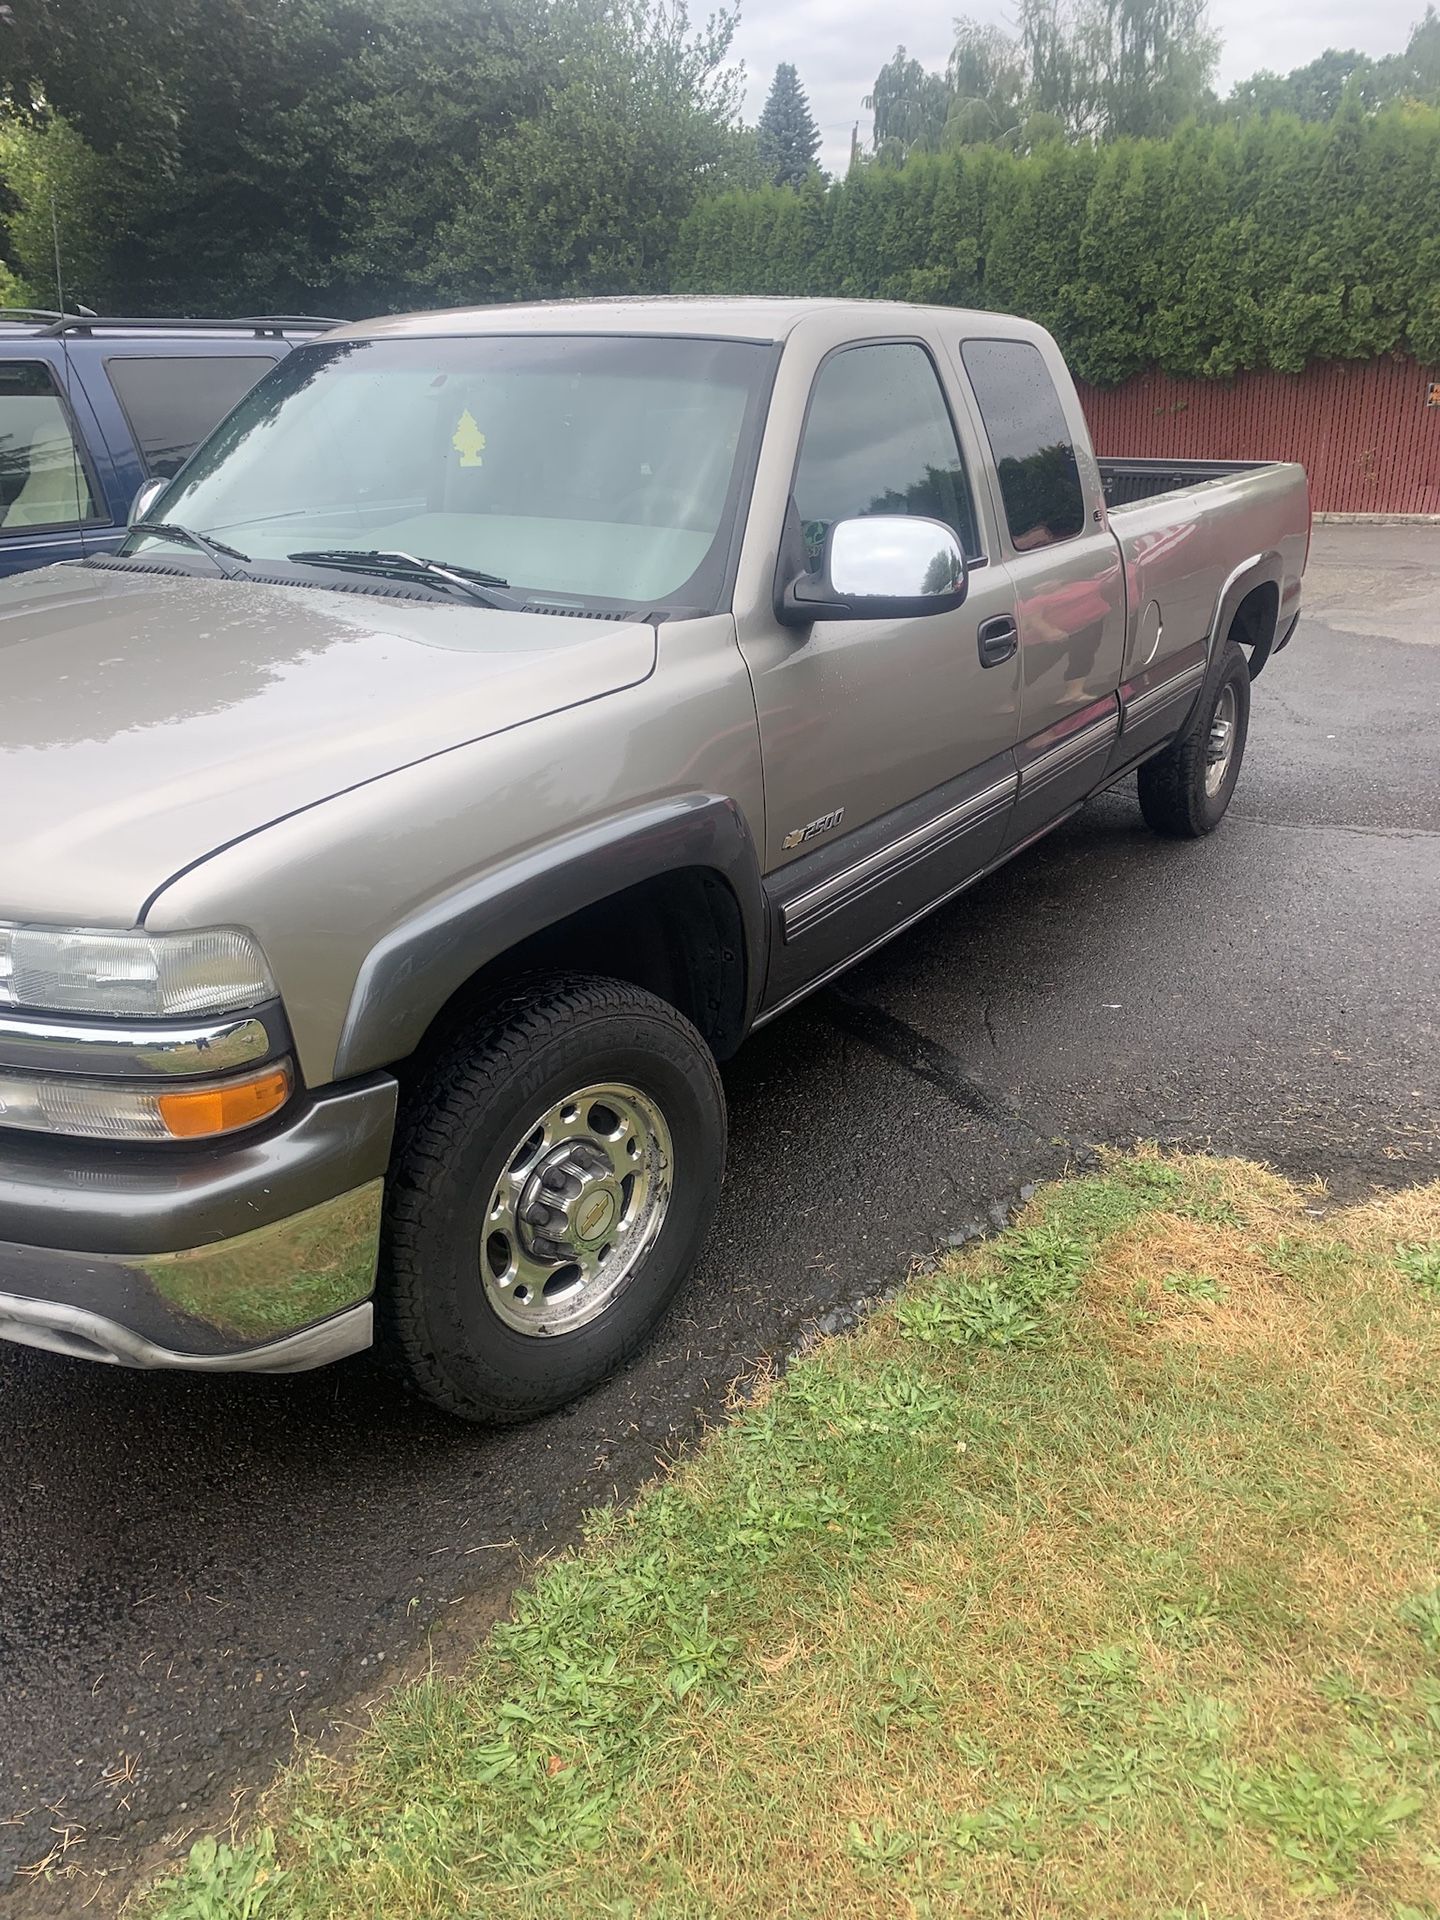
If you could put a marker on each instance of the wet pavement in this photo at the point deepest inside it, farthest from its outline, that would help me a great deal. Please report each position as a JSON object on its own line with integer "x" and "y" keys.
{"x": 192, "y": 1568}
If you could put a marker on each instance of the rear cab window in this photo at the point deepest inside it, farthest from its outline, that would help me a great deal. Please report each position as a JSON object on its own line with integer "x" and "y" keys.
{"x": 172, "y": 401}
{"x": 1031, "y": 440}
{"x": 879, "y": 438}
{"x": 45, "y": 480}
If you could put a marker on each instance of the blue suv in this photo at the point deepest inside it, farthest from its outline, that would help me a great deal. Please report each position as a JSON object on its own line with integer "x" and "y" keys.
{"x": 92, "y": 408}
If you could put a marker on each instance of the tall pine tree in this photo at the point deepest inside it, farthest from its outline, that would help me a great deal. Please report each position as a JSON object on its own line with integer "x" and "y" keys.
{"x": 787, "y": 135}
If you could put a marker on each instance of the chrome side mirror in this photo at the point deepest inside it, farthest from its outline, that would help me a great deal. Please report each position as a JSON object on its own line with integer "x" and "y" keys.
{"x": 145, "y": 499}
{"x": 881, "y": 567}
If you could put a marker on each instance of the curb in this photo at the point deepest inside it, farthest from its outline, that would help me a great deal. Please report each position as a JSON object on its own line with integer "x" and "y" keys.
{"x": 1377, "y": 519}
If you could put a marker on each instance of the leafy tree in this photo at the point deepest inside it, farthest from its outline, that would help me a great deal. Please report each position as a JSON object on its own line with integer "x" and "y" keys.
{"x": 910, "y": 105}
{"x": 787, "y": 137}
{"x": 1082, "y": 69}
{"x": 353, "y": 154}
{"x": 1318, "y": 91}
{"x": 57, "y": 191}
{"x": 1312, "y": 92}
{"x": 987, "y": 83}
{"x": 1145, "y": 65}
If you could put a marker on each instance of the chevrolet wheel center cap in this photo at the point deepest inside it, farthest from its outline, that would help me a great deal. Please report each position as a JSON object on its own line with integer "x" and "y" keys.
{"x": 596, "y": 1217}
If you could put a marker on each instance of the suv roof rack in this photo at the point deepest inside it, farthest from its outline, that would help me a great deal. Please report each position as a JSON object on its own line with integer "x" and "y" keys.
{"x": 251, "y": 323}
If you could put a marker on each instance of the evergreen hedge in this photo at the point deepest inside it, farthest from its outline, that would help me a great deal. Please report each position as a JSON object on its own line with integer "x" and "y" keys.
{"x": 1268, "y": 246}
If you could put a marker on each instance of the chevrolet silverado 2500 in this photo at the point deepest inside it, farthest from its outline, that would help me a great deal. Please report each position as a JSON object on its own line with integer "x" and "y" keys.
{"x": 500, "y": 715}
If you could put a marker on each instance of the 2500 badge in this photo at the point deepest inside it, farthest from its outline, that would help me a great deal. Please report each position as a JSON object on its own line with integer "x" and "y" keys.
{"x": 797, "y": 836}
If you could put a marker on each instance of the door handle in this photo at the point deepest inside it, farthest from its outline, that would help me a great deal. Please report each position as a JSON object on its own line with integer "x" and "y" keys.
{"x": 997, "y": 640}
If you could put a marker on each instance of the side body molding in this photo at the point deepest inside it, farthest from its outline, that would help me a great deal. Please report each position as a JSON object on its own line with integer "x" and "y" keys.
{"x": 410, "y": 974}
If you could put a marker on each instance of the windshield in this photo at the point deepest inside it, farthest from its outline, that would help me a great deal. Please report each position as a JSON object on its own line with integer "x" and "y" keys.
{"x": 591, "y": 468}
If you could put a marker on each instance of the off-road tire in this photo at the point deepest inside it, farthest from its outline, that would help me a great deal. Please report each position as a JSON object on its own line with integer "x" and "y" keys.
{"x": 1173, "y": 793}
{"x": 436, "y": 1325}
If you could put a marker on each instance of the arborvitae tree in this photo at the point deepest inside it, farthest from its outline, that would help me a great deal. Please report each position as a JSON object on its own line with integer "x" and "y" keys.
{"x": 1270, "y": 245}
{"x": 788, "y": 137}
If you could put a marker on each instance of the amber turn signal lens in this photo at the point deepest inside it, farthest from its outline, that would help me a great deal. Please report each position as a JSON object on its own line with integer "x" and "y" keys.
{"x": 193, "y": 1114}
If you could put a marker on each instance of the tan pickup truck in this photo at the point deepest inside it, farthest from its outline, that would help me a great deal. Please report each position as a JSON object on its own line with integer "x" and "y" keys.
{"x": 500, "y": 715}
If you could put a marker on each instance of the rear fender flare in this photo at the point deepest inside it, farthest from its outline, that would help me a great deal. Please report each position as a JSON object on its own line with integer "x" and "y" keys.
{"x": 410, "y": 974}
{"x": 1260, "y": 570}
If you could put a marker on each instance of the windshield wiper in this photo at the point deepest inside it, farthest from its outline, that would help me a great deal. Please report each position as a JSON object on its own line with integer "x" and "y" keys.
{"x": 410, "y": 566}
{"x": 212, "y": 549}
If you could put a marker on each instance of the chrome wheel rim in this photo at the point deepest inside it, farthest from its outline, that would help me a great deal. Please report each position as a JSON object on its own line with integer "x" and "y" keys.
{"x": 583, "y": 1194}
{"x": 1220, "y": 743}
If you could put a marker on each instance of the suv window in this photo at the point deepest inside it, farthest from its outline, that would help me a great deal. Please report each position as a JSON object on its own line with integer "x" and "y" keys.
{"x": 43, "y": 479}
{"x": 879, "y": 439}
{"x": 1034, "y": 455}
{"x": 172, "y": 401}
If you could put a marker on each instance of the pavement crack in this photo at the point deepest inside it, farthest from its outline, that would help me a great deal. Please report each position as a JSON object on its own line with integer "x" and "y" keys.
{"x": 906, "y": 1047}
{"x": 1338, "y": 826}
{"x": 990, "y": 1028}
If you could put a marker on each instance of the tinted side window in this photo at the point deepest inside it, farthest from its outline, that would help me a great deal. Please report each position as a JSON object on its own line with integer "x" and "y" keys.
{"x": 879, "y": 439}
{"x": 1034, "y": 457}
{"x": 173, "y": 401}
{"x": 43, "y": 481}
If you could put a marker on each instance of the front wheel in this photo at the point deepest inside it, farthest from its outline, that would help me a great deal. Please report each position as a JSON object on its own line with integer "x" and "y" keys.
{"x": 1185, "y": 790}
{"x": 554, "y": 1176}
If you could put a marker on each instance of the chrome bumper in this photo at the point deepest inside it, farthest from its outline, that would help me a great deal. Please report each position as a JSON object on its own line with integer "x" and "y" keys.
{"x": 87, "y": 1336}
{"x": 256, "y": 1257}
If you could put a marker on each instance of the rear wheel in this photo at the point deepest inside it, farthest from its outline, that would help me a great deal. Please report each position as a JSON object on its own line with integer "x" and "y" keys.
{"x": 1186, "y": 789}
{"x": 554, "y": 1176}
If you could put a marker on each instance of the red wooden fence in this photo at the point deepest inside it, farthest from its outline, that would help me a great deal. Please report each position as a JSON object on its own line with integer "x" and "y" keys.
{"x": 1367, "y": 431}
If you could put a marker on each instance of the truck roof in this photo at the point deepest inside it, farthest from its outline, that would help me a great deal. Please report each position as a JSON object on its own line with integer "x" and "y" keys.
{"x": 705, "y": 316}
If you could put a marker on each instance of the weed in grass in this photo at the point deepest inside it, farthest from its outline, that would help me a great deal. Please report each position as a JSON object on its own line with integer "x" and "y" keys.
{"x": 881, "y": 1845}
{"x": 1213, "y": 1213}
{"x": 1323, "y": 1826}
{"x": 1043, "y": 1264}
{"x": 1422, "y": 1265}
{"x": 1035, "y": 1268}
{"x": 982, "y": 1315}
{"x": 1422, "y": 1612}
{"x": 1308, "y": 1263}
{"x": 1364, "y": 1709}
{"x": 1186, "y": 1620}
{"x": 900, "y": 1697}
{"x": 1102, "y": 1689}
{"x": 222, "y": 1882}
{"x": 1194, "y": 1286}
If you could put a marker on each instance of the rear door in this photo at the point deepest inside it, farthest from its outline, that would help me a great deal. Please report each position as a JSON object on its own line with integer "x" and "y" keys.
{"x": 886, "y": 744}
{"x": 1066, "y": 568}
{"x": 165, "y": 397}
{"x": 52, "y": 495}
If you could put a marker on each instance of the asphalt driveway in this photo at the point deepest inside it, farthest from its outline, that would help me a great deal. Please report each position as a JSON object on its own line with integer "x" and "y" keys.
{"x": 187, "y": 1566}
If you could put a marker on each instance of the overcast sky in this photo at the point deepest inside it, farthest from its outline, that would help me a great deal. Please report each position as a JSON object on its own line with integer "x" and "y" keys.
{"x": 838, "y": 46}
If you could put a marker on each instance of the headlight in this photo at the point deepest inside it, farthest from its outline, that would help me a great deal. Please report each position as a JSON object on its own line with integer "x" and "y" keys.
{"x": 74, "y": 970}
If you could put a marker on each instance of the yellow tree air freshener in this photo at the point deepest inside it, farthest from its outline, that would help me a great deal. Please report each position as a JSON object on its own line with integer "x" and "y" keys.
{"x": 468, "y": 441}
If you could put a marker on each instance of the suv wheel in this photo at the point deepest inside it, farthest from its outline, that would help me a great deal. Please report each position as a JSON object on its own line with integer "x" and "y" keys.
{"x": 554, "y": 1175}
{"x": 1185, "y": 790}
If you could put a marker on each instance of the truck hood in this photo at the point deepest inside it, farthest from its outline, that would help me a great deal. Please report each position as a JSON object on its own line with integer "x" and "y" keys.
{"x": 146, "y": 720}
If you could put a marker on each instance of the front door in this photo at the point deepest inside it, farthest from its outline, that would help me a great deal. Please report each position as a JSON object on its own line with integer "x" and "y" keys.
{"x": 886, "y": 744}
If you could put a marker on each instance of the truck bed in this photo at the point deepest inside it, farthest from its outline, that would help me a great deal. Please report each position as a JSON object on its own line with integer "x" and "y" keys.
{"x": 1127, "y": 481}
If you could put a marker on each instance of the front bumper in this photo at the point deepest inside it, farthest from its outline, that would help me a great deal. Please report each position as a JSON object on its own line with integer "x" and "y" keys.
{"x": 255, "y": 1256}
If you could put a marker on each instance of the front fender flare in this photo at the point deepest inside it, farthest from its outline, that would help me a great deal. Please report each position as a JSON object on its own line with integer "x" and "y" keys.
{"x": 409, "y": 975}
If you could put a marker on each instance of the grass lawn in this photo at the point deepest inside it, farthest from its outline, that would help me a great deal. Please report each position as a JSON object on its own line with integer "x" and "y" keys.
{"x": 1099, "y": 1575}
